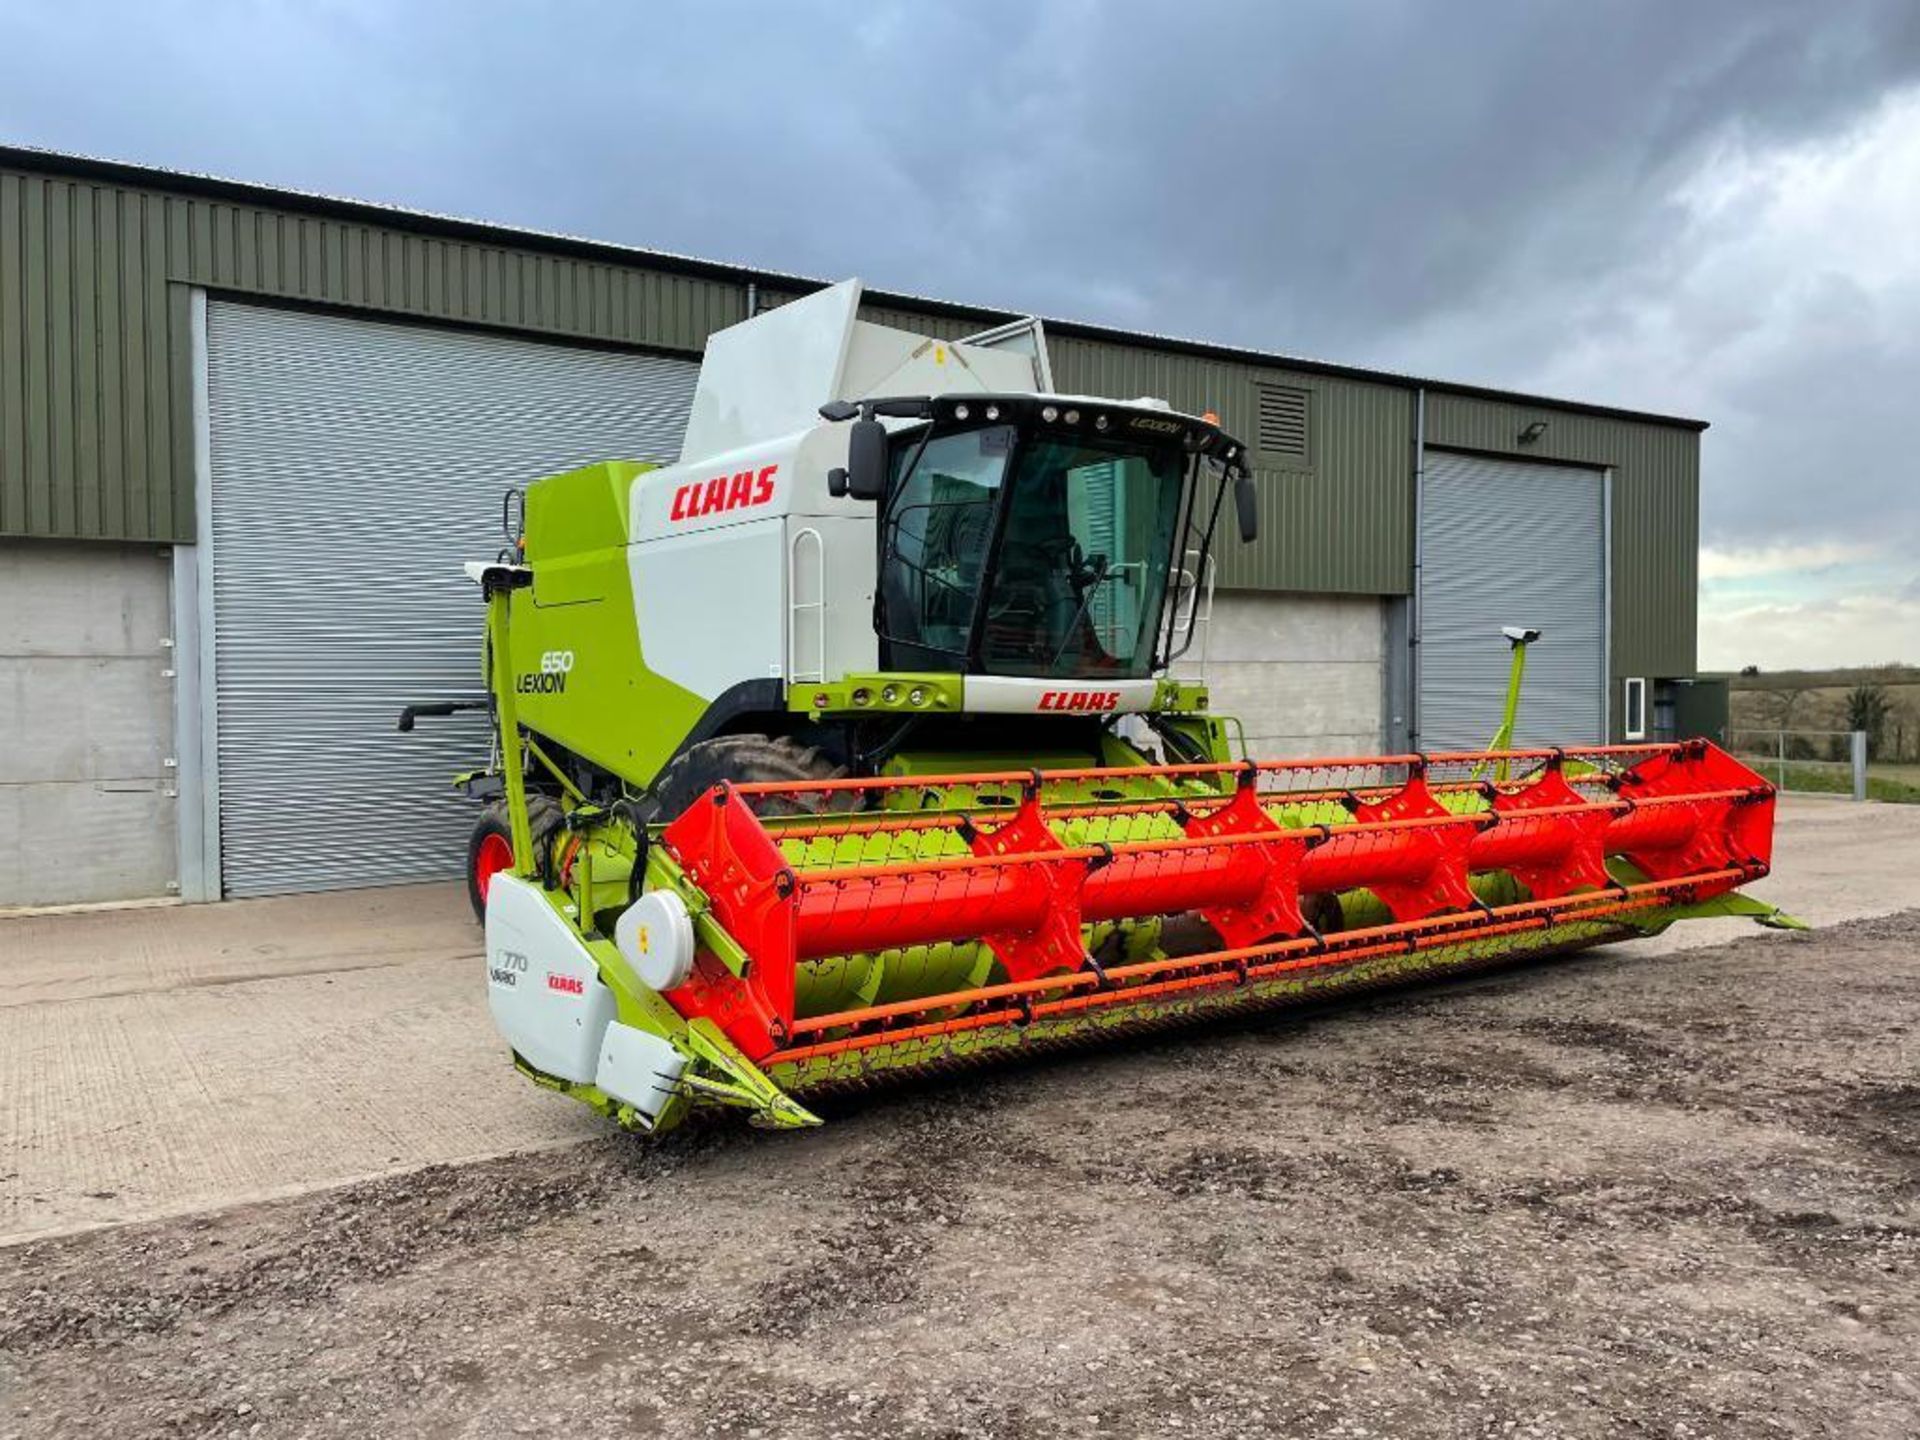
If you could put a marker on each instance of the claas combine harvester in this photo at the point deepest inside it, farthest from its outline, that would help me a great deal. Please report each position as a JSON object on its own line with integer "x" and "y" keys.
{"x": 851, "y": 745}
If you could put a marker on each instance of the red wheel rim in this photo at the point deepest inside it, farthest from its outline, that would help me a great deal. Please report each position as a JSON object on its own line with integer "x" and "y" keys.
{"x": 494, "y": 854}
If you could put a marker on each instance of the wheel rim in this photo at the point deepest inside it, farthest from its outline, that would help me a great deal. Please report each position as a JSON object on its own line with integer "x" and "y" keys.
{"x": 494, "y": 854}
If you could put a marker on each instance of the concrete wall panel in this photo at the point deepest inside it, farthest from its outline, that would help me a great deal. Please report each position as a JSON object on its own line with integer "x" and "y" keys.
{"x": 1292, "y": 628}
{"x": 83, "y": 718}
{"x": 68, "y": 843}
{"x": 86, "y": 809}
{"x": 1303, "y": 673}
{"x": 66, "y": 600}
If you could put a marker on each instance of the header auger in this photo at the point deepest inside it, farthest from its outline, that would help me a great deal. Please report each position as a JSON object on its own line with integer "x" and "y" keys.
{"x": 848, "y": 747}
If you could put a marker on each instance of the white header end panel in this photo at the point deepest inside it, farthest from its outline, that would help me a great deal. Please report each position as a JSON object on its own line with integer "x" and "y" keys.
{"x": 542, "y": 986}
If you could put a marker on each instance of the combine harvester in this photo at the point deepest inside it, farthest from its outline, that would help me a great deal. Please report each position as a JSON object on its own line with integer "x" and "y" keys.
{"x": 849, "y": 746}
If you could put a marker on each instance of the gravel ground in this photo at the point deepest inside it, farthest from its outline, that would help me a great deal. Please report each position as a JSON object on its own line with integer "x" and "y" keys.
{"x": 1611, "y": 1194}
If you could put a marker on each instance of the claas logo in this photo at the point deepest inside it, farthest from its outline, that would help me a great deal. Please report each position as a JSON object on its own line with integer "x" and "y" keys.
{"x": 1079, "y": 700}
{"x": 723, "y": 492}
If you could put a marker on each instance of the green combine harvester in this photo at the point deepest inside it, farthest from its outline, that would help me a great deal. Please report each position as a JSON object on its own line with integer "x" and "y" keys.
{"x": 849, "y": 745}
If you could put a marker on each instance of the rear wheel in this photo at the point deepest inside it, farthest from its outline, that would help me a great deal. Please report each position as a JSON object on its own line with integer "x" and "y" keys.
{"x": 744, "y": 760}
{"x": 490, "y": 847}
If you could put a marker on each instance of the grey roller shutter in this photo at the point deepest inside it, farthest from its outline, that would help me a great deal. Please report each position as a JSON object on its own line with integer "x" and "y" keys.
{"x": 1507, "y": 542}
{"x": 355, "y": 465}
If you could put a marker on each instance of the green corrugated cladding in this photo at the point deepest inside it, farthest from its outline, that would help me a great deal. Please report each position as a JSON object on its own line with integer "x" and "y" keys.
{"x": 1342, "y": 520}
{"x": 941, "y": 327}
{"x": 96, "y": 395}
{"x": 1656, "y": 513}
{"x": 95, "y": 347}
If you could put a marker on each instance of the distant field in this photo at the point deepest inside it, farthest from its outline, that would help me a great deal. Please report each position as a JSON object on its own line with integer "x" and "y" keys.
{"x": 1899, "y": 784}
{"x": 1825, "y": 679}
{"x": 1801, "y": 701}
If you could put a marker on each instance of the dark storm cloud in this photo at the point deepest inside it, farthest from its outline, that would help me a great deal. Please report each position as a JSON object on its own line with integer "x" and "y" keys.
{"x": 1485, "y": 191}
{"x": 1279, "y": 174}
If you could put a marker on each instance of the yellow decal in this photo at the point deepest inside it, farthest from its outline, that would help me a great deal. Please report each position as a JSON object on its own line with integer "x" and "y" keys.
{"x": 646, "y": 940}
{"x": 939, "y": 354}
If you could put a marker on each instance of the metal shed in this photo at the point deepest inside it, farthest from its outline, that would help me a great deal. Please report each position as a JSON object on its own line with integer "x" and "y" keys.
{"x": 254, "y": 389}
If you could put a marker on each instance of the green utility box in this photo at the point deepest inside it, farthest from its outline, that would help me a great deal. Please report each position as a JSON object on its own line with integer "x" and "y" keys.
{"x": 1700, "y": 708}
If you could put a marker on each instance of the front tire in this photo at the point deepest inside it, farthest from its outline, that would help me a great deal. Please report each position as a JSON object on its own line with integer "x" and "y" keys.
{"x": 490, "y": 846}
{"x": 745, "y": 760}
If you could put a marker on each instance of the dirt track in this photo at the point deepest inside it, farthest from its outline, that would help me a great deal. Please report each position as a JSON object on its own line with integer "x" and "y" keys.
{"x": 1617, "y": 1194}
{"x": 168, "y": 1062}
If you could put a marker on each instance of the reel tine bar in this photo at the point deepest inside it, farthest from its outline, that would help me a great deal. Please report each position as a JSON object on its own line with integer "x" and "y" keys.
{"x": 1032, "y": 864}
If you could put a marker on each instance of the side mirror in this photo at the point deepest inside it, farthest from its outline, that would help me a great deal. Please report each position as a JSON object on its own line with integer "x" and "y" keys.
{"x": 867, "y": 460}
{"x": 1246, "y": 503}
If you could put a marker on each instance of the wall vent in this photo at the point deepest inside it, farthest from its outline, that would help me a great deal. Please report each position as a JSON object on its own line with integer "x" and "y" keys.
{"x": 1283, "y": 422}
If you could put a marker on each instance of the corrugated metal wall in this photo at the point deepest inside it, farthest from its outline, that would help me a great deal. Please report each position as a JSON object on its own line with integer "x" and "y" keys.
{"x": 1656, "y": 513}
{"x": 941, "y": 327}
{"x": 313, "y": 560}
{"x": 1343, "y": 520}
{"x": 96, "y": 400}
{"x": 1544, "y": 523}
{"x": 88, "y": 407}
{"x": 1340, "y": 521}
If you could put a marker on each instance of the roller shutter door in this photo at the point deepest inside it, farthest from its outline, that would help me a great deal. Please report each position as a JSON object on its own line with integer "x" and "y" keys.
{"x": 355, "y": 465}
{"x": 1506, "y": 542}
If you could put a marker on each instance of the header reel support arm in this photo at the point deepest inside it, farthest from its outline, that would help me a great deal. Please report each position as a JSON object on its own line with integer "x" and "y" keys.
{"x": 497, "y": 584}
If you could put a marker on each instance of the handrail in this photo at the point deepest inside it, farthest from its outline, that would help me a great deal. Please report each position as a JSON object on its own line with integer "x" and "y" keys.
{"x": 795, "y": 607}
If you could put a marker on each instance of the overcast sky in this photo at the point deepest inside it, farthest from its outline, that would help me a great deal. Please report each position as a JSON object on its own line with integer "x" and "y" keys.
{"x": 1710, "y": 208}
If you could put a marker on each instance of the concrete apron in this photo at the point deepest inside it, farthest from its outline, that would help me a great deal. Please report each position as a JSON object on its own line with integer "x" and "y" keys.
{"x": 158, "y": 1062}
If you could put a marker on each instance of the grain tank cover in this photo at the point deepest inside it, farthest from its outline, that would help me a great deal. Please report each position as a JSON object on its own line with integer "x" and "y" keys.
{"x": 769, "y": 375}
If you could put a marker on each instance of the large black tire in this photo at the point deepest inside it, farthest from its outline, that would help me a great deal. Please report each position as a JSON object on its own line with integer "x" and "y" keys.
{"x": 748, "y": 759}
{"x": 493, "y": 837}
